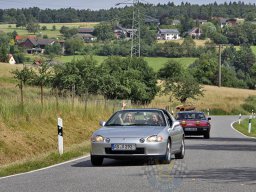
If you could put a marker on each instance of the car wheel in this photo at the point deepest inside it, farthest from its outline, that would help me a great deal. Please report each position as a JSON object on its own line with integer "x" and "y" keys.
{"x": 167, "y": 158}
{"x": 96, "y": 160}
{"x": 207, "y": 135}
{"x": 181, "y": 154}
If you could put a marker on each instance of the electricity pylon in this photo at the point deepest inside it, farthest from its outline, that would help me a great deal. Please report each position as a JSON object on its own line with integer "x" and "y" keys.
{"x": 135, "y": 33}
{"x": 135, "y": 45}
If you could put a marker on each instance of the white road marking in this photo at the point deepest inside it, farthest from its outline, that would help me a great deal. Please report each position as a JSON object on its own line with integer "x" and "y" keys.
{"x": 240, "y": 132}
{"x": 45, "y": 167}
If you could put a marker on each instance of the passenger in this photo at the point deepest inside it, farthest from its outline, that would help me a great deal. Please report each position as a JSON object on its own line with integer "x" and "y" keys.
{"x": 129, "y": 118}
{"x": 155, "y": 120}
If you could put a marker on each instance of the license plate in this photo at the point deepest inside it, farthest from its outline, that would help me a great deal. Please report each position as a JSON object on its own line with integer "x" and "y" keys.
{"x": 190, "y": 129}
{"x": 123, "y": 147}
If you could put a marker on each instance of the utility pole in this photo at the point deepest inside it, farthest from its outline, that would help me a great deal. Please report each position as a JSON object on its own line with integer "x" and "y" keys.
{"x": 220, "y": 46}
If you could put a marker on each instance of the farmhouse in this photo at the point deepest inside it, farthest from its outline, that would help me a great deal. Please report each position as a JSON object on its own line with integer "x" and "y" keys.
{"x": 120, "y": 32}
{"x": 86, "y": 31}
{"x": 196, "y": 32}
{"x": 34, "y": 45}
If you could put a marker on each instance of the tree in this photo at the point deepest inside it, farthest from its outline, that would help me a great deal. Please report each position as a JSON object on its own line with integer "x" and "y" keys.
{"x": 21, "y": 20}
{"x": 23, "y": 76}
{"x": 68, "y": 32}
{"x": 205, "y": 69}
{"x": 218, "y": 38}
{"x": 54, "y": 49}
{"x": 208, "y": 29}
{"x": 33, "y": 27}
{"x": 81, "y": 74}
{"x": 126, "y": 78}
{"x": 74, "y": 45}
{"x": 41, "y": 78}
{"x": 188, "y": 46}
{"x": 244, "y": 59}
{"x": 104, "y": 32}
{"x": 186, "y": 87}
{"x": 4, "y": 47}
{"x": 181, "y": 85}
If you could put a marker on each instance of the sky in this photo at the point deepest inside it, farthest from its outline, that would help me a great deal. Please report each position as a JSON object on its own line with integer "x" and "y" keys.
{"x": 94, "y": 4}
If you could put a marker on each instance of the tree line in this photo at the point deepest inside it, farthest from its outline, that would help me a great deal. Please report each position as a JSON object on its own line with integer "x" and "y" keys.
{"x": 132, "y": 78}
{"x": 164, "y": 12}
{"x": 115, "y": 78}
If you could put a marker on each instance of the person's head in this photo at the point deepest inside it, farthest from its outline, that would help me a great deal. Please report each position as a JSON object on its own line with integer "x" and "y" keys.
{"x": 155, "y": 118}
{"x": 129, "y": 117}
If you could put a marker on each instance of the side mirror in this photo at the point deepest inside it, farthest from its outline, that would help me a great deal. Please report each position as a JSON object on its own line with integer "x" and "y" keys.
{"x": 102, "y": 123}
{"x": 209, "y": 118}
{"x": 175, "y": 124}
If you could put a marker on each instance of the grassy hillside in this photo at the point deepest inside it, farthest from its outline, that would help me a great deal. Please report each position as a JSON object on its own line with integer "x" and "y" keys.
{"x": 31, "y": 131}
{"x": 224, "y": 99}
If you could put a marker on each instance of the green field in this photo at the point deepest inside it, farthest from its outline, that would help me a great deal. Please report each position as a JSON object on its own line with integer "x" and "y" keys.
{"x": 22, "y": 31}
{"x": 155, "y": 62}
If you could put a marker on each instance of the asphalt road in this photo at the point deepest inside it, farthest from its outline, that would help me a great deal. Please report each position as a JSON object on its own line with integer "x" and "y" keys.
{"x": 224, "y": 163}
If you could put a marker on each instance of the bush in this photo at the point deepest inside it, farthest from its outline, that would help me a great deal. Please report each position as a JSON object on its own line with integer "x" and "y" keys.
{"x": 217, "y": 111}
{"x": 250, "y": 104}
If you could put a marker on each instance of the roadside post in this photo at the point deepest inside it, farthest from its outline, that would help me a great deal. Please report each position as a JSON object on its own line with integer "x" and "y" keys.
{"x": 240, "y": 118}
{"x": 208, "y": 111}
{"x": 250, "y": 124}
{"x": 60, "y": 136}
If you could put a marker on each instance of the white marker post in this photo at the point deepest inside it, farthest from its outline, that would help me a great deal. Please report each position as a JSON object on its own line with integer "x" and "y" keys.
{"x": 60, "y": 136}
{"x": 240, "y": 116}
{"x": 250, "y": 124}
{"x": 208, "y": 111}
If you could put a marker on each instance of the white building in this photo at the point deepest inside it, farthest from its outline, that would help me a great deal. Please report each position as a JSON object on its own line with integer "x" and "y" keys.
{"x": 168, "y": 34}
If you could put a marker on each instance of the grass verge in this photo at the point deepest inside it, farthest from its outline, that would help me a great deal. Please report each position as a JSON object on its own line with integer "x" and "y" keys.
{"x": 45, "y": 160}
{"x": 243, "y": 127}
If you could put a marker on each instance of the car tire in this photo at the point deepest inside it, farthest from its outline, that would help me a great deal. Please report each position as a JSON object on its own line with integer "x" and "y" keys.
{"x": 96, "y": 160}
{"x": 207, "y": 135}
{"x": 167, "y": 157}
{"x": 181, "y": 154}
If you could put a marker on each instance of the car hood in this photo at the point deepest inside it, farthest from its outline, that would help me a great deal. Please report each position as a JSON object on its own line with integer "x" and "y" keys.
{"x": 131, "y": 131}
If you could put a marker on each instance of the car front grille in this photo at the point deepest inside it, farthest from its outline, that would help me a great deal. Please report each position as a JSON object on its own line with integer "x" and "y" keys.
{"x": 137, "y": 151}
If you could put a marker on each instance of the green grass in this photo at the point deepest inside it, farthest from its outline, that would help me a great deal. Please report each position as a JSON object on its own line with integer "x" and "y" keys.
{"x": 45, "y": 160}
{"x": 158, "y": 62}
{"x": 7, "y": 28}
{"x": 243, "y": 127}
{"x": 155, "y": 62}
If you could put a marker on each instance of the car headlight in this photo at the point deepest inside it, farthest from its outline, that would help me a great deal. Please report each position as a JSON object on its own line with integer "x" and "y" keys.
{"x": 97, "y": 138}
{"x": 155, "y": 138}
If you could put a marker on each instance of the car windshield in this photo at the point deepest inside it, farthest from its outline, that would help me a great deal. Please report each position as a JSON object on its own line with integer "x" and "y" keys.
{"x": 188, "y": 116}
{"x": 137, "y": 118}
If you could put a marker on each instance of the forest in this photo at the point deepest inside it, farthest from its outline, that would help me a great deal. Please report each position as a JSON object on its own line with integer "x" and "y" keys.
{"x": 163, "y": 12}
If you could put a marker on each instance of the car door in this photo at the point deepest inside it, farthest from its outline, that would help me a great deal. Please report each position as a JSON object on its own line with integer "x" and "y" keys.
{"x": 173, "y": 132}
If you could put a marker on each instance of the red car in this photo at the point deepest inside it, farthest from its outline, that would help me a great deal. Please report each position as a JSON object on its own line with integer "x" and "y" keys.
{"x": 195, "y": 123}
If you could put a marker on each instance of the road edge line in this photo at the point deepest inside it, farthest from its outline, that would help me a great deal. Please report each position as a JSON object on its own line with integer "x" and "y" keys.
{"x": 239, "y": 131}
{"x": 44, "y": 168}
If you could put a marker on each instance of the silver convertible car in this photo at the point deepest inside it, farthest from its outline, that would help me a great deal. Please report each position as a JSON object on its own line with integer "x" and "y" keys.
{"x": 145, "y": 133}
